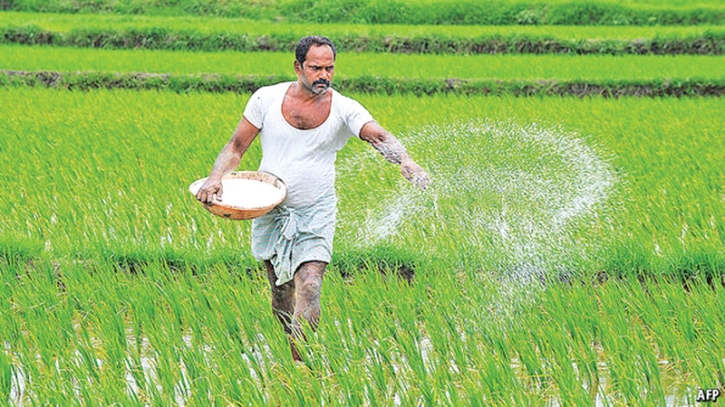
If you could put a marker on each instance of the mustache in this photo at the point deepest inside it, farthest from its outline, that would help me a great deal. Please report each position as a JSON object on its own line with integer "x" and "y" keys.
{"x": 321, "y": 82}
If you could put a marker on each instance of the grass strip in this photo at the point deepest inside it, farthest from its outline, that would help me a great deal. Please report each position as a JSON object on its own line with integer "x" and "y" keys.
{"x": 217, "y": 83}
{"x": 466, "y": 12}
{"x": 512, "y": 42}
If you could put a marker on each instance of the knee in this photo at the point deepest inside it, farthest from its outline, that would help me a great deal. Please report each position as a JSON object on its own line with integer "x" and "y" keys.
{"x": 311, "y": 287}
{"x": 308, "y": 281}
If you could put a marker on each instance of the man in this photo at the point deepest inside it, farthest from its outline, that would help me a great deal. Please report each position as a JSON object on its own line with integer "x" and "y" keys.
{"x": 302, "y": 125}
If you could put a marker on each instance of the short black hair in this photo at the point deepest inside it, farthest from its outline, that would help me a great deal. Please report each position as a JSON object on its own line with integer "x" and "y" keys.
{"x": 303, "y": 46}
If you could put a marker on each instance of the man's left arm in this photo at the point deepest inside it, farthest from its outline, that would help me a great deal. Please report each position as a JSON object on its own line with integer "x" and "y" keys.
{"x": 393, "y": 151}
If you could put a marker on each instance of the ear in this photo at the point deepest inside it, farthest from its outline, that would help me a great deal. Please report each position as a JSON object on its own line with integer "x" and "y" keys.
{"x": 298, "y": 67}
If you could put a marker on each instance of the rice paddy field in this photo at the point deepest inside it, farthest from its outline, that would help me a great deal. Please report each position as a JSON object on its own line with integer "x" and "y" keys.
{"x": 569, "y": 251}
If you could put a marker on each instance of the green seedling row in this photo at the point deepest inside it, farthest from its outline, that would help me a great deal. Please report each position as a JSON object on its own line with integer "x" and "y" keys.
{"x": 353, "y": 65}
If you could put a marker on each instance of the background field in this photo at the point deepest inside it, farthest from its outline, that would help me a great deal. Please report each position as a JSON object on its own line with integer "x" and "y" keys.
{"x": 612, "y": 12}
{"x": 217, "y": 34}
{"x": 563, "y": 67}
{"x": 59, "y": 22}
{"x": 570, "y": 250}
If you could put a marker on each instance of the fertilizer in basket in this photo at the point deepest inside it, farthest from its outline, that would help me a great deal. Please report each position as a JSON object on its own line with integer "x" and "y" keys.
{"x": 247, "y": 193}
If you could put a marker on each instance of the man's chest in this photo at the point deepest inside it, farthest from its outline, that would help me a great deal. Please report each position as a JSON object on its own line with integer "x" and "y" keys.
{"x": 305, "y": 116}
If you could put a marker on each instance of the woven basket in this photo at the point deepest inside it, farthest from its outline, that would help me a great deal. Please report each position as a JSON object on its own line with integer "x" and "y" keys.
{"x": 238, "y": 213}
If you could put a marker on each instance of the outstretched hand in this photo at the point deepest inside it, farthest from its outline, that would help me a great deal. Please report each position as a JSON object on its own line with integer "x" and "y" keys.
{"x": 211, "y": 189}
{"x": 415, "y": 174}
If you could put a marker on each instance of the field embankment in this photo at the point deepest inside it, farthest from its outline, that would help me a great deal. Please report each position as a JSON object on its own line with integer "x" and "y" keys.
{"x": 514, "y": 43}
{"x": 368, "y": 84}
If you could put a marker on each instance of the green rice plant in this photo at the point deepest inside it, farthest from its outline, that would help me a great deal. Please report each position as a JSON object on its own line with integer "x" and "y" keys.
{"x": 631, "y": 361}
{"x": 6, "y": 375}
{"x": 688, "y": 315}
{"x": 574, "y": 342}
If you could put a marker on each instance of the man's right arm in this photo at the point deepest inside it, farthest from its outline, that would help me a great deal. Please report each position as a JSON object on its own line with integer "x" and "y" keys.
{"x": 394, "y": 152}
{"x": 227, "y": 161}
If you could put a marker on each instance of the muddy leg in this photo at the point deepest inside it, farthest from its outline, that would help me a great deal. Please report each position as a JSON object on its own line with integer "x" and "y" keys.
{"x": 283, "y": 303}
{"x": 308, "y": 283}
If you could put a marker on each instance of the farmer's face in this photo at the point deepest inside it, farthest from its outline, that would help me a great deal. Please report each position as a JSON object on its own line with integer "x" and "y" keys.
{"x": 315, "y": 74}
